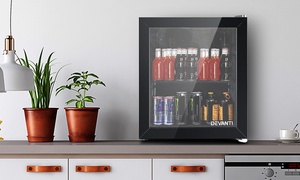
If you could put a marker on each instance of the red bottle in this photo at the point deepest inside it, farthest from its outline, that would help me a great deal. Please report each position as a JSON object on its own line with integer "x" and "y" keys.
{"x": 169, "y": 64}
{"x": 158, "y": 66}
{"x": 203, "y": 65}
{"x": 164, "y": 55}
{"x": 214, "y": 65}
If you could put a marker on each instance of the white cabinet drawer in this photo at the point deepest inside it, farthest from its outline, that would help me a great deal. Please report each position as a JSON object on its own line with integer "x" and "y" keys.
{"x": 37, "y": 169}
{"x": 127, "y": 169}
{"x": 205, "y": 169}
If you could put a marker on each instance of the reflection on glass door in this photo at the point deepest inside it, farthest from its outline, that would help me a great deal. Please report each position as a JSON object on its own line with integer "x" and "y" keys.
{"x": 192, "y": 77}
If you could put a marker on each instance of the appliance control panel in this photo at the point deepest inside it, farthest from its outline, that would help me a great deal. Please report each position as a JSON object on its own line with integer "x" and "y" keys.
{"x": 262, "y": 167}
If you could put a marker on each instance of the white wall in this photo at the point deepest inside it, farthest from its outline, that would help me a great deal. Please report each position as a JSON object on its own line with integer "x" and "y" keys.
{"x": 102, "y": 36}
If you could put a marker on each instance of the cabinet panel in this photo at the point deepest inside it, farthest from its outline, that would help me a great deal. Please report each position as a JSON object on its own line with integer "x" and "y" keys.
{"x": 110, "y": 169}
{"x": 34, "y": 169}
{"x": 191, "y": 169}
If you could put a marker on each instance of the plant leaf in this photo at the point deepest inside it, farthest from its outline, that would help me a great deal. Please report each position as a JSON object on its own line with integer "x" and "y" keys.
{"x": 71, "y": 101}
{"x": 79, "y": 104}
{"x": 80, "y": 84}
{"x": 93, "y": 75}
{"x": 88, "y": 99}
{"x": 44, "y": 79}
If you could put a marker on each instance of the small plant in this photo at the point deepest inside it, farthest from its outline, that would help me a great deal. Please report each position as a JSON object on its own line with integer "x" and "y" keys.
{"x": 44, "y": 79}
{"x": 81, "y": 84}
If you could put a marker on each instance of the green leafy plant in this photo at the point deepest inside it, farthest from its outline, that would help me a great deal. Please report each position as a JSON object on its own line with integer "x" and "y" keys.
{"x": 81, "y": 83}
{"x": 44, "y": 79}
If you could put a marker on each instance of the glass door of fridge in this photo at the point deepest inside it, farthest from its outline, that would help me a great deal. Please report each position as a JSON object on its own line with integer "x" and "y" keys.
{"x": 191, "y": 75}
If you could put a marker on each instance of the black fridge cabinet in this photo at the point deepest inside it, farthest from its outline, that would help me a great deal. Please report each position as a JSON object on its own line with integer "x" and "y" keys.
{"x": 199, "y": 94}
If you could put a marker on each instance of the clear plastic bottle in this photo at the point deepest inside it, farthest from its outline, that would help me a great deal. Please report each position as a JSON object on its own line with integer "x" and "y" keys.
{"x": 214, "y": 65}
{"x": 158, "y": 66}
{"x": 191, "y": 65}
{"x": 225, "y": 65}
{"x": 203, "y": 64}
{"x": 180, "y": 65}
{"x": 169, "y": 65}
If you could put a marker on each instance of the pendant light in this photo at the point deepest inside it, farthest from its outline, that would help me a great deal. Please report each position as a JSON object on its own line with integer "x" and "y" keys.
{"x": 16, "y": 77}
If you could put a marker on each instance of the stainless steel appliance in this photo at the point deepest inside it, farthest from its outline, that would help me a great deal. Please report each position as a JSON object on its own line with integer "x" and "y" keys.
{"x": 262, "y": 167}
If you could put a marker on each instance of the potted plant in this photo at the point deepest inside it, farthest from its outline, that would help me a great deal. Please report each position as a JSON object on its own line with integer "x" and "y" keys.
{"x": 81, "y": 120}
{"x": 40, "y": 118}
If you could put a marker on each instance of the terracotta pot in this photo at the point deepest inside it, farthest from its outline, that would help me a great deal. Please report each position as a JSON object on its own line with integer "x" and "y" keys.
{"x": 82, "y": 123}
{"x": 40, "y": 123}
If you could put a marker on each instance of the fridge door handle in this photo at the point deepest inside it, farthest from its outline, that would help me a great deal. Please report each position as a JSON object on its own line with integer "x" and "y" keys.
{"x": 92, "y": 168}
{"x": 188, "y": 168}
{"x": 38, "y": 169}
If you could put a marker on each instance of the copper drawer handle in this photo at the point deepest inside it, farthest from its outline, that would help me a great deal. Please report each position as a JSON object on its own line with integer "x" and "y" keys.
{"x": 188, "y": 168}
{"x": 43, "y": 169}
{"x": 92, "y": 168}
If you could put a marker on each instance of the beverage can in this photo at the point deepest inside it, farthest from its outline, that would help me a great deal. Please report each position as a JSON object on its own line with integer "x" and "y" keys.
{"x": 158, "y": 110}
{"x": 195, "y": 108}
{"x": 181, "y": 108}
{"x": 169, "y": 110}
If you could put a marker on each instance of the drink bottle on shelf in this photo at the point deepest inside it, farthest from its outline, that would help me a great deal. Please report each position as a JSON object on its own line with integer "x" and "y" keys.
{"x": 226, "y": 108}
{"x": 169, "y": 64}
{"x": 180, "y": 65}
{"x": 157, "y": 66}
{"x": 214, "y": 65}
{"x": 210, "y": 108}
{"x": 184, "y": 55}
{"x": 195, "y": 55}
{"x": 225, "y": 65}
{"x": 191, "y": 65}
{"x": 203, "y": 64}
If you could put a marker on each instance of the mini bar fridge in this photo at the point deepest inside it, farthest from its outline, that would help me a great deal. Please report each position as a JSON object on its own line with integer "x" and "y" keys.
{"x": 193, "y": 78}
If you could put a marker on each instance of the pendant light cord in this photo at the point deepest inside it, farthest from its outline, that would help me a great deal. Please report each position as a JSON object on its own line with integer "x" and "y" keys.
{"x": 10, "y": 15}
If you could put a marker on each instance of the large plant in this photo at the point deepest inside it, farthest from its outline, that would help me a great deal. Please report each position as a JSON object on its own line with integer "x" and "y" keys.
{"x": 81, "y": 83}
{"x": 44, "y": 79}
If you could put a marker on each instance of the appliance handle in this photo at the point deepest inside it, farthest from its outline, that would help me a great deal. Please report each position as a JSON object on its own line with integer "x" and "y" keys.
{"x": 188, "y": 168}
{"x": 38, "y": 169}
{"x": 92, "y": 168}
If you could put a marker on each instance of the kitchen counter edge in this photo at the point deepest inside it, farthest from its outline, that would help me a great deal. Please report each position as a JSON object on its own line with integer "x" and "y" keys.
{"x": 148, "y": 147}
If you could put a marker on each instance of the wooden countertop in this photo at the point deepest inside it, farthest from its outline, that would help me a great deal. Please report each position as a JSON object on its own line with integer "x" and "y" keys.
{"x": 147, "y": 148}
